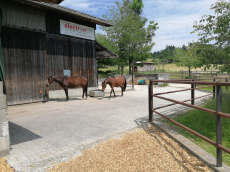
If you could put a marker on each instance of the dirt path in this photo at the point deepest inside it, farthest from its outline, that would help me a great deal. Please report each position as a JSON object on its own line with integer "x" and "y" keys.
{"x": 141, "y": 150}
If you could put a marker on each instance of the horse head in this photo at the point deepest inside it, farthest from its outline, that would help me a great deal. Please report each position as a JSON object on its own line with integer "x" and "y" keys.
{"x": 49, "y": 80}
{"x": 103, "y": 84}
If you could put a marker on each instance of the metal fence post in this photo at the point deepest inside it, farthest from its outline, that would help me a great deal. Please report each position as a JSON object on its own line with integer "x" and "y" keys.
{"x": 226, "y": 80}
{"x": 218, "y": 125}
{"x": 150, "y": 101}
{"x": 214, "y": 90}
{"x": 192, "y": 94}
{"x": 132, "y": 76}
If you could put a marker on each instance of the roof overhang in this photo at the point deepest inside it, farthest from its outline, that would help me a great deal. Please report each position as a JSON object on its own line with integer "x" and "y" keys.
{"x": 51, "y": 1}
{"x": 66, "y": 11}
{"x": 104, "y": 53}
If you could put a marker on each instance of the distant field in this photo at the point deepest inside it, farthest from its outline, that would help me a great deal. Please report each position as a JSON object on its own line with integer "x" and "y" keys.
{"x": 174, "y": 67}
{"x": 168, "y": 68}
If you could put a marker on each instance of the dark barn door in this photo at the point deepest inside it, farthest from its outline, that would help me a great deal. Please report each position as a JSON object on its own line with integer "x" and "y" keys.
{"x": 76, "y": 55}
{"x": 2, "y": 70}
{"x": 24, "y": 55}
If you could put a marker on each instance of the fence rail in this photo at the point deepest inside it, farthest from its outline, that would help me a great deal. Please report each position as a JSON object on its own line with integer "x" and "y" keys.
{"x": 217, "y": 93}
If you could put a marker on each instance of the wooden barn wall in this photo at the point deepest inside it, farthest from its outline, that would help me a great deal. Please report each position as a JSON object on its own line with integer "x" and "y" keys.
{"x": 22, "y": 16}
{"x": 76, "y": 55}
{"x": 53, "y": 22}
{"x": 24, "y": 57}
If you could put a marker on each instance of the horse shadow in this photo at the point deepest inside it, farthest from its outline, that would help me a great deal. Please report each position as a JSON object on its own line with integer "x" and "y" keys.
{"x": 107, "y": 97}
{"x": 63, "y": 100}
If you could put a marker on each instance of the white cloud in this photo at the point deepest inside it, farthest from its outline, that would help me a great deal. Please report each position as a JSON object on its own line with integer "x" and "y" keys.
{"x": 175, "y": 19}
{"x": 96, "y": 8}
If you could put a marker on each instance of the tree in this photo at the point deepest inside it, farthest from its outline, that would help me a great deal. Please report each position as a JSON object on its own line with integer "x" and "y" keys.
{"x": 164, "y": 56}
{"x": 101, "y": 38}
{"x": 137, "y": 6}
{"x": 129, "y": 36}
{"x": 185, "y": 59}
{"x": 214, "y": 41}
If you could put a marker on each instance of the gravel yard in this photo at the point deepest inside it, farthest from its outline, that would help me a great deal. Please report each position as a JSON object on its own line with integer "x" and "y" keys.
{"x": 142, "y": 150}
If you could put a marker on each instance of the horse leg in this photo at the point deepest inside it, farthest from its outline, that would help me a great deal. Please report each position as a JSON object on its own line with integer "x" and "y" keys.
{"x": 66, "y": 93}
{"x": 83, "y": 92}
{"x": 122, "y": 90}
{"x": 111, "y": 91}
{"x": 114, "y": 93}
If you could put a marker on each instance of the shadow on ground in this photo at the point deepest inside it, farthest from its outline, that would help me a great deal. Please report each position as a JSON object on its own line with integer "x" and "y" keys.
{"x": 19, "y": 134}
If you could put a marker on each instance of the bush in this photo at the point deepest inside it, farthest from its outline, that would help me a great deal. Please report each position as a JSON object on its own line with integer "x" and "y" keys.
{"x": 189, "y": 77}
{"x": 164, "y": 85}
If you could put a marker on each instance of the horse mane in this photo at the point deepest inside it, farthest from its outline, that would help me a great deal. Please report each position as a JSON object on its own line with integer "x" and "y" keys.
{"x": 108, "y": 78}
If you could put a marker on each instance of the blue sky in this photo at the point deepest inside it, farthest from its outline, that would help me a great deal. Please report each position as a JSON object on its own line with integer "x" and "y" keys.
{"x": 175, "y": 17}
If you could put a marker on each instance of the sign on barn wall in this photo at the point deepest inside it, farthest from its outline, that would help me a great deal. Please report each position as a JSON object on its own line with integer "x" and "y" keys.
{"x": 76, "y": 30}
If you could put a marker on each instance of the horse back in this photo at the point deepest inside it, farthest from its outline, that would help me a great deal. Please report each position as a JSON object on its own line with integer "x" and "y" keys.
{"x": 118, "y": 81}
{"x": 74, "y": 82}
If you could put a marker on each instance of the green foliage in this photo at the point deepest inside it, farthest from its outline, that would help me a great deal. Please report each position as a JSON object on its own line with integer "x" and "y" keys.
{"x": 184, "y": 58}
{"x": 214, "y": 38}
{"x": 129, "y": 36}
{"x": 164, "y": 85}
{"x": 166, "y": 55}
{"x": 137, "y": 6}
{"x": 101, "y": 38}
{"x": 189, "y": 77}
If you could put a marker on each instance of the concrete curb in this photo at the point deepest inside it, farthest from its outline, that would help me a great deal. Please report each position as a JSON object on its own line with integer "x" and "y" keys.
{"x": 4, "y": 128}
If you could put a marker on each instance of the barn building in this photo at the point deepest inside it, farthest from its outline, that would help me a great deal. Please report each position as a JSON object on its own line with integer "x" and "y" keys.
{"x": 42, "y": 38}
{"x": 146, "y": 66}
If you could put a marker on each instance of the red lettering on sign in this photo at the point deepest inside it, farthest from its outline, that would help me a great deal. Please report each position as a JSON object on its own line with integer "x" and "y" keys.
{"x": 74, "y": 27}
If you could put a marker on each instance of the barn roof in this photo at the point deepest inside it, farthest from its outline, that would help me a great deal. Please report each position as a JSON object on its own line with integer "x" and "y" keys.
{"x": 51, "y": 1}
{"x": 66, "y": 11}
{"x": 103, "y": 53}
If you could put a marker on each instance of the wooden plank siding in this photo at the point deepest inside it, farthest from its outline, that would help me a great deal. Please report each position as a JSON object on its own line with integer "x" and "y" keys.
{"x": 24, "y": 60}
{"x": 75, "y": 55}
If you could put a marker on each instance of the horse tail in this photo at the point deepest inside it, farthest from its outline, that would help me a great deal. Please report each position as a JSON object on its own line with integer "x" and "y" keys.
{"x": 125, "y": 84}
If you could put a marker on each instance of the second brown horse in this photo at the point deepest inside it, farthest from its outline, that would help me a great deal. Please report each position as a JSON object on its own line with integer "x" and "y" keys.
{"x": 69, "y": 82}
{"x": 115, "y": 81}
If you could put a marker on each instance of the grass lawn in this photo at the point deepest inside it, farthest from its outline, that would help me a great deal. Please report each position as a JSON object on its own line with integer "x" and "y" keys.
{"x": 205, "y": 124}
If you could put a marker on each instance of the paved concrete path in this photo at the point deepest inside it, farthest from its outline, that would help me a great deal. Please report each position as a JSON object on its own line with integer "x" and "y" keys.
{"x": 43, "y": 134}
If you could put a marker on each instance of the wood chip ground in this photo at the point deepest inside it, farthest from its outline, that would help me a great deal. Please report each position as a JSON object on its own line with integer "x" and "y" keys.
{"x": 141, "y": 150}
{"x": 4, "y": 167}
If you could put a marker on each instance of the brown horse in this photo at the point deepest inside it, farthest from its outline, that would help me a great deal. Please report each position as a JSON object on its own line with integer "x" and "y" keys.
{"x": 69, "y": 82}
{"x": 115, "y": 81}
